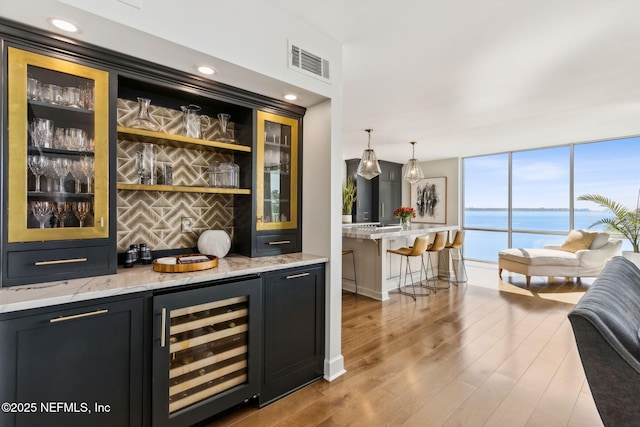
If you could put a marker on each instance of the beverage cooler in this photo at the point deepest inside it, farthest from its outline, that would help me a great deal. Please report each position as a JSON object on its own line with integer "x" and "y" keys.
{"x": 206, "y": 350}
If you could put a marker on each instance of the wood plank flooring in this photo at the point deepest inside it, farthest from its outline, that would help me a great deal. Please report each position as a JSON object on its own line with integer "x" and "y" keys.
{"x": 486, "y": 354}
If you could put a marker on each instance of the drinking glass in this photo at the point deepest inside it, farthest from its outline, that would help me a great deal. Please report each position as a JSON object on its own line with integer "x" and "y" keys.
{"x": 41, "y": 133}
{"x": 61, "y": 167}
{"x": 75, "y": 139}
{"x": 81, "y": 210}
{"x": 61, "y": 210}
{"x": 33, "y": 88}
{"x": 77, "y": 173}
{"x": 146, "y": 163}
{"x": 37, "y": 165}
{"x": 86, "y": 165}
{"x": 51, "y": 175}
{"x": 42, "y": 211}
{"x": 72, "y": 96}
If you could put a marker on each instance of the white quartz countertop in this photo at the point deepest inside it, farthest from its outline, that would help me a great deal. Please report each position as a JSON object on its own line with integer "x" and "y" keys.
{"x": 367, "y": 232}
{"x": 141, "y": 278}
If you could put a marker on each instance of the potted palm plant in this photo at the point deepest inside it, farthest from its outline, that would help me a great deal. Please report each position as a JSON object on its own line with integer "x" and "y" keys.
{"x": 623, "y": 221}
{"x": 348, "y": 199}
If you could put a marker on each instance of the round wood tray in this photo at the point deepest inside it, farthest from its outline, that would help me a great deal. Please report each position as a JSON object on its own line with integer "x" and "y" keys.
{"x": 184, "y": 268}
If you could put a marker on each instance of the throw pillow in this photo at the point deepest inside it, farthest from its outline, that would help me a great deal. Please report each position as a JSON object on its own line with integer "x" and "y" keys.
{"x": 577, "y": 240}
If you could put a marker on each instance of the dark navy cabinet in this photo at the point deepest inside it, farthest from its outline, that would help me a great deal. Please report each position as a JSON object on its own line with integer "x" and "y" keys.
{"x": 74, "y": 365}
{"x": 293, "y": 343}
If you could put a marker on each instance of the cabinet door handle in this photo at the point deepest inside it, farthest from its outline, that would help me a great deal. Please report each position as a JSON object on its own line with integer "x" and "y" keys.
{"x": 60, "y": 261}
{"x": 163, "y": 326}
{"x": 280, "y": 242}
{"x": 382, "y": 209}
{"x": 77, "y": 316}
{"x": 295, "y": 276}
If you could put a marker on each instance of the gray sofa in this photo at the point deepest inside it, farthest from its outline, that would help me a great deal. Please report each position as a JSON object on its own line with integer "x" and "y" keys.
{"x": 606, "y": 325}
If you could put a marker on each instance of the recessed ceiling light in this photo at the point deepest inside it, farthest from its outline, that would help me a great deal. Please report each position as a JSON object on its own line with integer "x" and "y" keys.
{"x": 290, "y": 97}
{"x": 206, "y": 70}
{"x": 64, "y": 25}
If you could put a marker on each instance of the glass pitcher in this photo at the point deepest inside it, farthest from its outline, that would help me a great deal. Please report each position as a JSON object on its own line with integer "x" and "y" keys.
{"x": 193, "y": 122}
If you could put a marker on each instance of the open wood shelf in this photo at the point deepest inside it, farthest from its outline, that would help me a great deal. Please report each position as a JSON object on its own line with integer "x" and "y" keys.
{"x": 182, "y": 189}
{"x": 141, "y": 135}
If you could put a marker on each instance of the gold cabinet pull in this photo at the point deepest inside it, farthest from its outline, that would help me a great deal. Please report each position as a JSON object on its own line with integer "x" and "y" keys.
{"x": 60, "y": 261}
{"x": 295, "y": 276}
{"x": 163, "y": 326}
{"x": 77, "y": 316}
{"x": 280, "y": 242}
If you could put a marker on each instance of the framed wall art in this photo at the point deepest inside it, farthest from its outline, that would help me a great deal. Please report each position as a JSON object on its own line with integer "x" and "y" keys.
{"x": 429, "y": 199}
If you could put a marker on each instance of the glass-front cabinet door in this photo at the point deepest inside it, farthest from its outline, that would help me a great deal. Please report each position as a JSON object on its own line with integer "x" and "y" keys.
{"x": 58, "y": 178}
{"x": 277, "y": 172}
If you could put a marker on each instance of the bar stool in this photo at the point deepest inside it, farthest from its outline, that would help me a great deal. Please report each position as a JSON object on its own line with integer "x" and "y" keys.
{"x": 437, "y": 246}
{"x": 418, "y": 248}
{"x": 456, "y": 244}
{"x": 353, "y": 257}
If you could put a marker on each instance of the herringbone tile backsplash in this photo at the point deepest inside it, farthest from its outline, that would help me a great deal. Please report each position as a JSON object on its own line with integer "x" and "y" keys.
{"x": 155, "y": 217}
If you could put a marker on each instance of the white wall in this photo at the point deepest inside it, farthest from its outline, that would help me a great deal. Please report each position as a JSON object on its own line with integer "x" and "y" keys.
{"x": 321, "y": 213}
{"x": 449, "y": 168}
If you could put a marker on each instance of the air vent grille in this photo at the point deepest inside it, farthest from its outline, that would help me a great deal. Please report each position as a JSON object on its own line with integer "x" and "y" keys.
{"x": 307, "y": 62}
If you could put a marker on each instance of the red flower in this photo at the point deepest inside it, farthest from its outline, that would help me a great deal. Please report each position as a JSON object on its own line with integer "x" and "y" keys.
{"x": 404, "y": 212}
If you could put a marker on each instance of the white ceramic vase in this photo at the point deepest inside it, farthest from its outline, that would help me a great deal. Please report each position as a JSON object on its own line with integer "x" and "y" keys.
{"x": 214, "y": 242}
{"x": 346, "y": 219}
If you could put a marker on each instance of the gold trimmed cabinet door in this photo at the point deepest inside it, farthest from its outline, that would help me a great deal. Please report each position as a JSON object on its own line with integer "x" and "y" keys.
{"x": 58, "y": 181}
{"x": 277, "y": 189}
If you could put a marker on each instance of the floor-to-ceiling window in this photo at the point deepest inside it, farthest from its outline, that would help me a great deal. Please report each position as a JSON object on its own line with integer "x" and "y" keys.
{"x": 529, "y": 198}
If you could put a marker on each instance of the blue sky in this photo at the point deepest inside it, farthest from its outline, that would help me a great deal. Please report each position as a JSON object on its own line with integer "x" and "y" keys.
{"x": 541, "y": 177}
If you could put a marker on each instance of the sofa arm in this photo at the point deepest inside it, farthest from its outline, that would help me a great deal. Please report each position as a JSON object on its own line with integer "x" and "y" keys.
{"x": 597, "y": 257}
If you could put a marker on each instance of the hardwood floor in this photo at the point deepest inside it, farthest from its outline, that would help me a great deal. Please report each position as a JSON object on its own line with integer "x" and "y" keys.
{"x": 486, "y": 354}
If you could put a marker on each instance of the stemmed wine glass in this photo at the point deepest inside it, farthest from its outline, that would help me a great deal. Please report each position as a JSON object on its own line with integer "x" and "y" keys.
{"x": 61, "y": 168}
{"x": 42, "y": 211}
{"x": 61, "y": 211}
{"x": 81, "y": 210}
{"x": 77, "y": 173}
{"x": 37, "y": 166}
{"x": 86, "y": 165}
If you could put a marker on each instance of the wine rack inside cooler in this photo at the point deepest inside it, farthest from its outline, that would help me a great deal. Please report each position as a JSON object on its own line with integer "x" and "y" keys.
{"x": 208, "y": 349}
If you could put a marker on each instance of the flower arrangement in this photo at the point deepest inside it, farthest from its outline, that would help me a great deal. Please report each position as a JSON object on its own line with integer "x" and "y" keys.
{"x": 404, "y": 212}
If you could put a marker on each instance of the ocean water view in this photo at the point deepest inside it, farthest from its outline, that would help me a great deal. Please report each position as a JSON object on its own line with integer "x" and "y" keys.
{"x": 485, "y": 245}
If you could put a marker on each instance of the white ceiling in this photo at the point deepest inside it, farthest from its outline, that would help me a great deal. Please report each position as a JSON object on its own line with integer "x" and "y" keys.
{"x": 468, "y": 77}
{"x": 460, "y": 77}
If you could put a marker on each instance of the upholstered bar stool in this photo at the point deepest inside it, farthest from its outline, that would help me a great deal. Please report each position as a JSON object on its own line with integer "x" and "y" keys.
{"x": 353, "y": 258}
{"x": 437, "y": 246}
{"x": 419, "y": 246}
{"x": 456, "y": 245}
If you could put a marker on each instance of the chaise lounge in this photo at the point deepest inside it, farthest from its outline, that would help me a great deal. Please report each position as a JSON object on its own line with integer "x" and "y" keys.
{"x": 583, "y": 254}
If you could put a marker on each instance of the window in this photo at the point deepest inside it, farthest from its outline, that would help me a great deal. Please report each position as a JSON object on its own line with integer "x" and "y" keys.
{"x": 542, "y": 206}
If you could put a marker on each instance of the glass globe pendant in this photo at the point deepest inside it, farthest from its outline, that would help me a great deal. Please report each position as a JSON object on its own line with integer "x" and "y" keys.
{"x": 369, "y": 167}
{"x": 413, "y": 172}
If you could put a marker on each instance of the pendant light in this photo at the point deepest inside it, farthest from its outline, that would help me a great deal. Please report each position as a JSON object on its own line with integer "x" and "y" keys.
{"x": 369, "y": 167}
{"x": 412, "y": 172}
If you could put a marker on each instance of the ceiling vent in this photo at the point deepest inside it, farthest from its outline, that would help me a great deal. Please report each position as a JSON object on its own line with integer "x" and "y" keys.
{"x": 308, "y": 63}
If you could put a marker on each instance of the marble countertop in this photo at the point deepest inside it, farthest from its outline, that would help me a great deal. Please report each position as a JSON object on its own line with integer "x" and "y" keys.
{"x": 367, "y": 232}
{"x": 141, "y": 278}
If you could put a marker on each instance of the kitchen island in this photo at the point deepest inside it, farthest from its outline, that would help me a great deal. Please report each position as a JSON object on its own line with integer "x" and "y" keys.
{"x": 376, "y": 270}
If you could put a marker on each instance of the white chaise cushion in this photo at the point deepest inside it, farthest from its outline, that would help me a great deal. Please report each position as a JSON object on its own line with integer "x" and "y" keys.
{"x": 540, "y": 257}
{"x": 599, "y": 241}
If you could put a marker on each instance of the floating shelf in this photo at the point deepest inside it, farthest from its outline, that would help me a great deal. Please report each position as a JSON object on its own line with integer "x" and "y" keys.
{"x": 182, "y": 189}
{"x": 140, "y": 135}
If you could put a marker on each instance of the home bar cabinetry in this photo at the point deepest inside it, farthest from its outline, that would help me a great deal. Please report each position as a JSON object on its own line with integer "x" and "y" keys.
{"x": 166, "y": 349}
{"x": 90, "y": 356}
{"x": 57, "y": 187}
